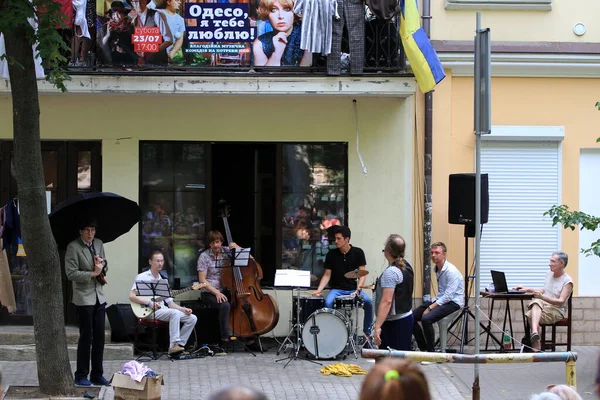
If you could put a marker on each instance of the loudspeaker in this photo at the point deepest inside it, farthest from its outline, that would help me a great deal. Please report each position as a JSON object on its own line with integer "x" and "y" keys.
{"x": 122, "y": 322}
{"x": 207, "y": 328}
{"x": 461, "y": 199}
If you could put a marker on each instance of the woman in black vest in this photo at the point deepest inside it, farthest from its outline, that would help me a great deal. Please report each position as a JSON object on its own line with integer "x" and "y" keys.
{"x": 394, "y": 293}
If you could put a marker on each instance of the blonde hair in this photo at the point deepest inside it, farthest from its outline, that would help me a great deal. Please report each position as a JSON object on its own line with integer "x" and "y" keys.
{"x": 564, "y": 392}
{"x": 395, "y": 379}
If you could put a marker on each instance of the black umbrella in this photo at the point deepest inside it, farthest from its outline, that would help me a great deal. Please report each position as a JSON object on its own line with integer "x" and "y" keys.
{"x": 114, "y": 216}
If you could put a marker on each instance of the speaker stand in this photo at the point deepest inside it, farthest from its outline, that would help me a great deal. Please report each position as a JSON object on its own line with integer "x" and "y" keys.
{"x": 465, "y": 312}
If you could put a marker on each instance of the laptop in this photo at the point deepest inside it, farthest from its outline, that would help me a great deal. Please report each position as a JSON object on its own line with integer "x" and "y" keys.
{"x": 500, "y": 285}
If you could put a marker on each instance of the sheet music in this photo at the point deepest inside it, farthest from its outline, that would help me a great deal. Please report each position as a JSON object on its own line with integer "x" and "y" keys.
{"x": 292, "y": 277}
{"x": 242, "y": 256}
{"x": 150, "y": 287}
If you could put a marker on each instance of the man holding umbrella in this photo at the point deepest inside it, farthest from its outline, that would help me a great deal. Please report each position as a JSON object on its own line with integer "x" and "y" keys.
{"x": 106, "y": 216}
{"x": 84, "y": 262}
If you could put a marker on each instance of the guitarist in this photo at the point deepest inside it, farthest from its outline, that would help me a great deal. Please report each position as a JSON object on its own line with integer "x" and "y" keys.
{"x": 166, "y": 310}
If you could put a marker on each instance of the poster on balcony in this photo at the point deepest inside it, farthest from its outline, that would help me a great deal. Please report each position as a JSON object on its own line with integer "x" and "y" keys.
{"x": 147, "y": 34}
{"x": 218, "y": 34}
{"x": 262, "y": 32}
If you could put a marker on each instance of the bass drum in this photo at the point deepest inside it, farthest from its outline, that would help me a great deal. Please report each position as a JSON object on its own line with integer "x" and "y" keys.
{"x": 325, "y": 333}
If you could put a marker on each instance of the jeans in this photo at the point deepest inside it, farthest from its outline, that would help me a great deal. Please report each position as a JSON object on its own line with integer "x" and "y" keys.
{"x": 91, "y": 335}
{"x": 426, "y": 337}
{"x": 367, "y": 306}
{"x": 211, "y": 300}
{"x": 397, "y": 334}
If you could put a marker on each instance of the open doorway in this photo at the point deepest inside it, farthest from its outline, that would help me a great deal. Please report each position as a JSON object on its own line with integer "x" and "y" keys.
{"x": 244, "y": 175}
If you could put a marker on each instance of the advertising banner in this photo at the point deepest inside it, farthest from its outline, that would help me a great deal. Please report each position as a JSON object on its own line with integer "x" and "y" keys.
{"x": 184, "y": 33}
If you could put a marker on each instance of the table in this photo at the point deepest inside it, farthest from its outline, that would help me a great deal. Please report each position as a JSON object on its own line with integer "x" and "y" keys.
{"x": 507, "y": 315}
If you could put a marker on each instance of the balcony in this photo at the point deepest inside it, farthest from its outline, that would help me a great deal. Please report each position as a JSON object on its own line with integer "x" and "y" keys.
{"x": 383, "y": 55}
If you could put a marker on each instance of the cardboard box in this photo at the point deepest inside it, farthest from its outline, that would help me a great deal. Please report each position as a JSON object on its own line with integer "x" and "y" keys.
{"x": 129, "y": 389}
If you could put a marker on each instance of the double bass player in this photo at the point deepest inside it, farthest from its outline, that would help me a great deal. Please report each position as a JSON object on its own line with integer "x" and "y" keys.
{"x": 209, "y": 266}
{"x": 249, "y": 312}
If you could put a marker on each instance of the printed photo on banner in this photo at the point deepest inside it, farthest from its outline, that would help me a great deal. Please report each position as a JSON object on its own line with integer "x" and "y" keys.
{"x": 279, "y": 35}
{"x": 184, "y": 33}
{"x": 139, "y": 32}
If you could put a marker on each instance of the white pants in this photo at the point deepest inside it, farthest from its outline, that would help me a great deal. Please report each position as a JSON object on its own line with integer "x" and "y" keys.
{"x": 177, "y": 335}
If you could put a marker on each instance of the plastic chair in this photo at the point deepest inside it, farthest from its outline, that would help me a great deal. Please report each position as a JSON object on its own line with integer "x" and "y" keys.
{"x": 443, "y": 328}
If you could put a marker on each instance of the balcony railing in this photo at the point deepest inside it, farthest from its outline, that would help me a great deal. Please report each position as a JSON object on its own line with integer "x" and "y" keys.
{"x": 383, "y": 54}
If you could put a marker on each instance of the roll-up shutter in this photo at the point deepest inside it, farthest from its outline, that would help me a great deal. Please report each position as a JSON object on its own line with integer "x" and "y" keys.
{"x": 523, "y": 184}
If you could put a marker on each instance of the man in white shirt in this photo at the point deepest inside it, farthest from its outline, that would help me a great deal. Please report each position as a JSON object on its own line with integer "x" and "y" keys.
{"x": 550, "y": 303}
{"x": 166, "y": 310}
{"x": 451, "y": 292}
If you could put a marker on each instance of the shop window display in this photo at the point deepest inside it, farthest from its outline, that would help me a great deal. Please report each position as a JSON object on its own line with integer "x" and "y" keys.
{"x": 313, "y": 199}
{"x": 173, "y": 206}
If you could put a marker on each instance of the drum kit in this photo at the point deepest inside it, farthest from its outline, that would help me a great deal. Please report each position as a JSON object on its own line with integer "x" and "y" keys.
{"x": 324, "y": 332}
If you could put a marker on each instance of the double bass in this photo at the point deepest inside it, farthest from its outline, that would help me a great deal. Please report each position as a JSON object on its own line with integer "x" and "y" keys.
{"x": 252, "y": 312}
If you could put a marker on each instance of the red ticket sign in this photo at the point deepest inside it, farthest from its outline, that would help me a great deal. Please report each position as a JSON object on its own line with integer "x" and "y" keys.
{"x": 146, "y": 39}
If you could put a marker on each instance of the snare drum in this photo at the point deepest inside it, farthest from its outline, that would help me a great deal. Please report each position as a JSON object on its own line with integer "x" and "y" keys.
{"x": 347, "y": 302}
{"x": 308, "y": 305}
{"x": 325, "y": 333}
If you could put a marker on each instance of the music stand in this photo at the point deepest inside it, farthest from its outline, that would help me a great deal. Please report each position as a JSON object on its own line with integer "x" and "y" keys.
{"x": 154, "y": 290}
{"x": 298, "y": 280}
{"x": 239, "y": 257}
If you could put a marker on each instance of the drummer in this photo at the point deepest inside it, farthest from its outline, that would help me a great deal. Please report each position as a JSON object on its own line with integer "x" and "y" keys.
{"x": 342, "y": 268}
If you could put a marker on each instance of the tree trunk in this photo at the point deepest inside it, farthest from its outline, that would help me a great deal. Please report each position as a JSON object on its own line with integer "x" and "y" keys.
{"x": 54, "y": 370}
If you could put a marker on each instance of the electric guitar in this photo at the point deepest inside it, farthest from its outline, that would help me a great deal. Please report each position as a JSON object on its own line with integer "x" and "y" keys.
{"x": 143, "y": 311}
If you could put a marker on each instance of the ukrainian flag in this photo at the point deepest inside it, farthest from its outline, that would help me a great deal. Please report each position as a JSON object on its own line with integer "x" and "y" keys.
{"x": 422, "y": 56}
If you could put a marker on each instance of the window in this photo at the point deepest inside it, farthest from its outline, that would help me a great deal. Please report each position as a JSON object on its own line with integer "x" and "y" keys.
{"x": 523, "y": 163}
{"x": 314, "y": 183}
{"x": 539, "y": 5}
{"x": 281, "y": 206}
{"x": 173, "y": 202}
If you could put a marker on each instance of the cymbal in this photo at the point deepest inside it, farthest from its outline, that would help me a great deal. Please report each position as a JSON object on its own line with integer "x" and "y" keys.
{"x": 357, "y": 273}
{"x": 372, "y": 287}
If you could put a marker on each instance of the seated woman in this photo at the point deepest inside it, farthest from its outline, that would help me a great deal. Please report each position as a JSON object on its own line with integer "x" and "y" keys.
{"x": 280, "y": 47}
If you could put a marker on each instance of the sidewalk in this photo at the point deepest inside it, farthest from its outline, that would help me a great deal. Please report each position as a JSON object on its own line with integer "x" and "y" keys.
{"x": 197, "y": 378}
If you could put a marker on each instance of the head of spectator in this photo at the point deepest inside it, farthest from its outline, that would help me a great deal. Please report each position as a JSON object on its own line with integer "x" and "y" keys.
{"x": 237, "y": 393}
{"x": 564, "y": 392}
{"x": 545, "y": 396}
{"x": 395, "y": 379}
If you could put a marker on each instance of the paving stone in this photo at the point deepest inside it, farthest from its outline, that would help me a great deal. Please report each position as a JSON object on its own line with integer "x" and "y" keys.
{"x": 197, "y": 378}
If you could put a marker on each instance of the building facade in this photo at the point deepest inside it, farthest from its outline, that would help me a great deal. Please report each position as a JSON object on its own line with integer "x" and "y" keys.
{"x": 542, "y": 150}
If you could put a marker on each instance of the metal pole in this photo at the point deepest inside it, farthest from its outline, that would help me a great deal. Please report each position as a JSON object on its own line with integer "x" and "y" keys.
{"x": 571, "y": 373}
{"x": 428, "y": 170}
{"x": 477, "y": 112}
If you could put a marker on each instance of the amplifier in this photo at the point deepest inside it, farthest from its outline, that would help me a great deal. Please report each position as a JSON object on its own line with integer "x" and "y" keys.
{"x": 207, "y": 328}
